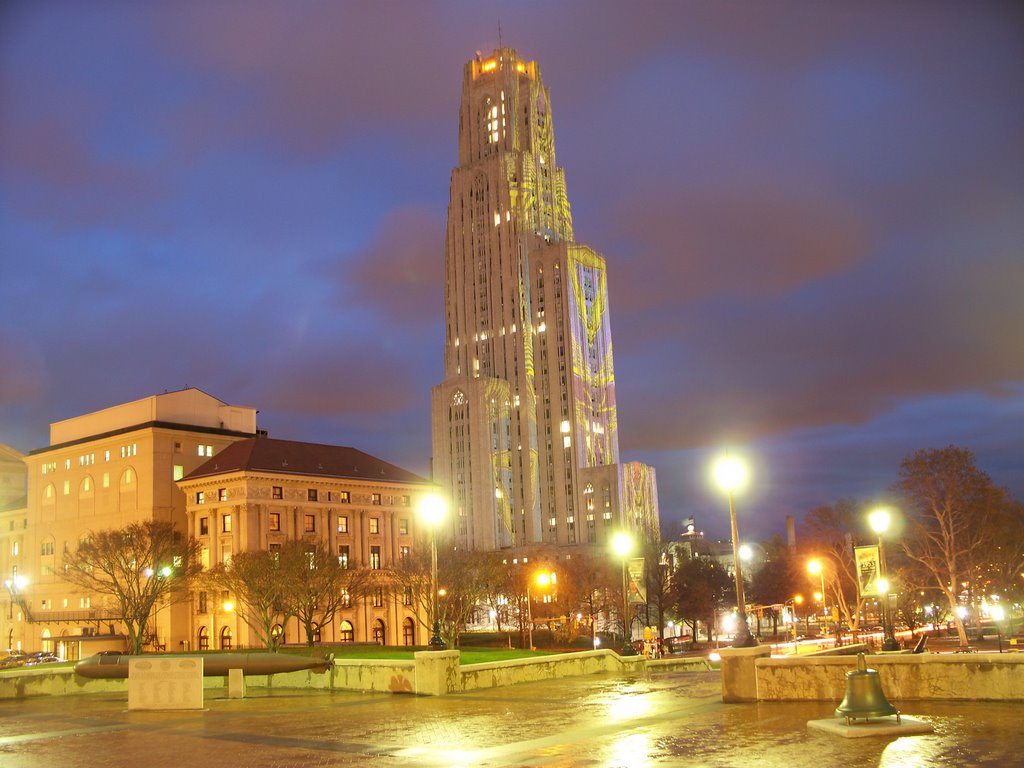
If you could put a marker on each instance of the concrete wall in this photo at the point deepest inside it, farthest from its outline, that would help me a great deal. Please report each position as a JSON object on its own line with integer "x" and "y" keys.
{"x": 908, "y": 677}
{"x": 432, "y": 673}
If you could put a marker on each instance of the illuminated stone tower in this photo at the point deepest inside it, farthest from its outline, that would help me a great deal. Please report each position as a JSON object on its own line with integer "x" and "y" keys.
{"x": 525, "y": 436}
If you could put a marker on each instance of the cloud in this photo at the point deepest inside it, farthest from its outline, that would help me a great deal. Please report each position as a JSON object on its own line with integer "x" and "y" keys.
{"x": 24, "y": 377}
{"x": 399, "y": 274}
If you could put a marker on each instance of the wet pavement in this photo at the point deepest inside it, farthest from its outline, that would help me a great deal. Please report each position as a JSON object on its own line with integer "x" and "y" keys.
{"x": 661, "y": 719}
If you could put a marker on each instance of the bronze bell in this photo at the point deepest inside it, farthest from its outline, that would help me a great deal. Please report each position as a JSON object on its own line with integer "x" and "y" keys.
{"x": 864, "y": 698}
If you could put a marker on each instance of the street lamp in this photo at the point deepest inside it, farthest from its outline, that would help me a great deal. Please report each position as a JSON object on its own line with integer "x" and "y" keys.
{"x": 432, "y": 512}
{"x": 543, "y": 579}
{"x": 622, "y": 545}
{"x": 815, "y": 567}
{"x": 879, "y": 520}
{"x": 731, "y": 475}
{"x": 14, "y": 586}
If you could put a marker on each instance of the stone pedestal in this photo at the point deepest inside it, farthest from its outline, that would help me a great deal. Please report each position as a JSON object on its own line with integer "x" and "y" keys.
{"x": 437, "y": 672}
{"x": 739, "y": 676}
{"x": 165, "y": 682}
{"x": 236, "y": 684}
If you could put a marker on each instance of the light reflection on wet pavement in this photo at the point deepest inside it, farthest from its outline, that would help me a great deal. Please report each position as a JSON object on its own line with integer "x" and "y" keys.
{"x": 664, "y": 719}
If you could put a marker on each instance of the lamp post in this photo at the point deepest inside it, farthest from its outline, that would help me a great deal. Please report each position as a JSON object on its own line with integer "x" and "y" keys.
{"x": 815, "y": 567}
{"x": 543, "y": 579}
{"x": 879, "y": 520}
{"x": 731, "y": 475}
{"x": 622, "y": 545}
{"x": 432, "y": 512}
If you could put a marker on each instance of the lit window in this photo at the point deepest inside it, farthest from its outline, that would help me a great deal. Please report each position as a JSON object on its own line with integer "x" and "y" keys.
{"x": 204, "y": 526}
{"x": 179, "y": 471}
{"x": 344, "y": 497}
{"x": 200, "y": 497}
{"x": 310, "y": 526}
{"x": 226, "y": 528}
{"x": 222, "y": 494}
{"x": 343, "y": 555}
{"x": 275, "y": 521}
{"x": 342, "y": 524}
{"x": 106, "y": 479}
{"x": 375, "y": 558}
{"x": 67, "y": 463}
{"x": 374, "y": 525}
{"x": 277, "y": 492}
{"x": 403, "y": 526}
{"x": 375, "y": 499}
{"x": 205, "y": 450}
{"x": 67, "y": 487}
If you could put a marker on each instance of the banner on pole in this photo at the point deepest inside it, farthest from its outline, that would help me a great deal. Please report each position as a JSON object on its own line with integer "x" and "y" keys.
{"x": 637, "y": 585}
{"x": 867, "y": 568}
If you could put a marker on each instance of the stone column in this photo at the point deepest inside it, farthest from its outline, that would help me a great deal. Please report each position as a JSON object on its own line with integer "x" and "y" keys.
{"x": 437, "y": 673}
{"x": 739, "y": 672}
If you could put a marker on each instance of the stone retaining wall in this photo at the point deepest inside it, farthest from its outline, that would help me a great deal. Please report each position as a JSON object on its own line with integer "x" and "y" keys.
{"x": 432, "y": 673}
{"x": 903, "y": 677}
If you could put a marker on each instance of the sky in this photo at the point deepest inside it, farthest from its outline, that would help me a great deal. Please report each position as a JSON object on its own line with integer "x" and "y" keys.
{"x": 812, "y": 215}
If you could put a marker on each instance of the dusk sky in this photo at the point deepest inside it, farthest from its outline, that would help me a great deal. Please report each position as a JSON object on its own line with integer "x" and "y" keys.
{"x": 812, "y": 215}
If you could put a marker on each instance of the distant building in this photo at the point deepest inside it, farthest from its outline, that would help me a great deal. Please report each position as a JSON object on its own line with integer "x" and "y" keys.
{"x": 525, "y": 426}
{"x": 238, "y": 491}
{"x": 258, "y": 493}
{"x": 12, "y": 478}
{"x": 104, "y": 470}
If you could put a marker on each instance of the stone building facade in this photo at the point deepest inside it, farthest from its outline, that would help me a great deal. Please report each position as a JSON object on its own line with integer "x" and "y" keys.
{"x": 525, "y": 426}
{"x": 260, "y": 493}
{"x": 104, "y": 470}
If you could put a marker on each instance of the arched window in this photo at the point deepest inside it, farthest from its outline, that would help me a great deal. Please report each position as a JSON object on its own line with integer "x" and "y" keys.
{"x": 225, "y": 639}
{"x": 128, "y": 491}
{"x": 204, "y": 639}
{"x": 316, "y": 632}
{"x": 408, "y": 632}
{"x": 345, "y": 634}
{"x": 378, "y": 632}
{"x": 277, "y": 632}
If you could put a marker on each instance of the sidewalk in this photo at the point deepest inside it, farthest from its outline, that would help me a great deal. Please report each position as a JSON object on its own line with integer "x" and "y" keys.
{"x": 665, "y": 719}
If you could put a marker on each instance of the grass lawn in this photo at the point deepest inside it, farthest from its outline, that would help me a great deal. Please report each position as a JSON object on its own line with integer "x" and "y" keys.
{"x": 371, "y": 651}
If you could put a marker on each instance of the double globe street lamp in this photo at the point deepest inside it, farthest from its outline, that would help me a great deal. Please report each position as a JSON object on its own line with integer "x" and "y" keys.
{"x": 815, "y": 568}
{"x": 879, "y": 520}
{"x": 432, "y": 512}
{"x": 731, "y": 475}
{"x": 622, "y": 546}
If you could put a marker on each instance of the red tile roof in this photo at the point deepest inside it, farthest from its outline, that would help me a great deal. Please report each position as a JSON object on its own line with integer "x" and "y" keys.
{"x": 263, "y": 454}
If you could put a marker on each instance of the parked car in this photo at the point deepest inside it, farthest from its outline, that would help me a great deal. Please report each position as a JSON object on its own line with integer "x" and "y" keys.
{"x": 42, "y": 657}
{"x": 14, "y": 660}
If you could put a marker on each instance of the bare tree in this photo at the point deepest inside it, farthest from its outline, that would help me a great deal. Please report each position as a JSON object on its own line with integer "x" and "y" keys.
{"x": 135, "y": 567}
{"x": 950, "y": 502}
{"x": 829, "y": 533}
{"x": 411, "y": 575}
{"x": 467, "y": 578}
{"x": 585, "y": 583}
{"x": 700, "y": 588}
{"x": 315, "y": 585}
{"x": 255, "y": 579}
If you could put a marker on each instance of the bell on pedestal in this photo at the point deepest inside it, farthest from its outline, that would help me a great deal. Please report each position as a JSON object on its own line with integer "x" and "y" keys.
{"x": 864, "y": 698}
